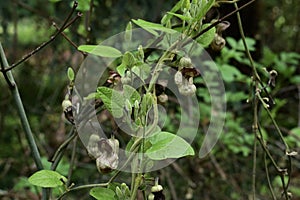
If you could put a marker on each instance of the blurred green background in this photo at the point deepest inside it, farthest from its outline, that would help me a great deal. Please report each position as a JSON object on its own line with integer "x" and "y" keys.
{"x": 273, "y": 26}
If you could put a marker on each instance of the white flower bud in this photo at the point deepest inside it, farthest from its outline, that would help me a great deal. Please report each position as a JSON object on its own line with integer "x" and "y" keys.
{"x": 178, "y": 78}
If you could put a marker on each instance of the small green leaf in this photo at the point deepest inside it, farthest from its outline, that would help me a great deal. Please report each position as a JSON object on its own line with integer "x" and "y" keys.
{"x": 128, "y": 59}
{"x": 182, "y": 17}
{"x": 250, "y": 44}
{"x": 230, "y": 73}
{"x": 167, "y": 145}
{"x": 167, "y": 17}
{"x": 100, "y": 193}
{"x": 101, "y": 50}
{"x": 131, "y": 94}
{"x": 112, "y": 99}
{"x": 232, "y": 42}
{"x": 142, "y": 71}
{"x": 296, "y": 131}
{"x": 205, "y": 7}
{"x": 128, "y": 32}
{"x": 150, "y": 27}
{"x": 121, "y": 69}
{"x": 71, "y": 74}
{"x": 47, "y": 178}
{"x": 206, "y": 38}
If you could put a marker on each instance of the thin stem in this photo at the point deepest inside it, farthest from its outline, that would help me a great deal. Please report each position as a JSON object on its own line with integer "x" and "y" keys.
{"x": 255, "y": 74}
{"x": 72, "y": 162}
{"x": 64, "y": 145}
{"x": 69, "y": 40}
{"x": 23, "y": 117}
{"x": 21, "y": 111}
{"x": 254, "y": 167}
{"x": 268, "y": 177}
{"x": 255, "y": 102}
{"x": 136, "y": 185}
{"x": 274, "y": 123}
{"x": 82, "y": 187}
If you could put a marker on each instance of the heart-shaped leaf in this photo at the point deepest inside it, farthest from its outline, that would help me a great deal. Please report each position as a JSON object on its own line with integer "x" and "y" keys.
{"x": 102, "y": 193}
{"x": 167, "y": 145}
{"x": 47, "y": 178}
{"x": 112, "y": 99}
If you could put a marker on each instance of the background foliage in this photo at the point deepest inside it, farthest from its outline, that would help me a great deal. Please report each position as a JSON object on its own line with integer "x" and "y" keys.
{"x": 226, "y": 173}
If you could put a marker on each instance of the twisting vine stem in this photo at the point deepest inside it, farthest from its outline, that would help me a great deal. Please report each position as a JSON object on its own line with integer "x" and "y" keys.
{"x": 256, "y": 127}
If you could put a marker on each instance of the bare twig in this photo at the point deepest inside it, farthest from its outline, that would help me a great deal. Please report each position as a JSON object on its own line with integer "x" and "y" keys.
{"x": 69, "y": 40}
{"x": 256, "y": 127}
{"x": 171, "y": 185}
{"x": 65, "y": 25}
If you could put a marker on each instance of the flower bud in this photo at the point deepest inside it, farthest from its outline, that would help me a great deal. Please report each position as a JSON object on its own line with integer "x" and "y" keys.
{"x": 163, "y": 98}
{"x": 156, "y": 188}
{"x": 125, "y": 190}
{"x": 93, "y": 147}
{"x": 119, "y": 193}
{"x": 178, "y": 78}
{"x": 105, "y": 151}
{"x": 66, "y": 103}
{"x": 187, "y": 89}
{"x": 67, "y": 108}
{"x": 185, "y": 62}
{"x": 218, "y": 43}
{"x": 151, "y": 196}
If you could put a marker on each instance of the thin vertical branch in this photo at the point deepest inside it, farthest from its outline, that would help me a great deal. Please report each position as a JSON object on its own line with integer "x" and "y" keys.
{"x": 255, "y": 102}
{"x": 23, "y": 117}
{"x": 254, "y": 167}
{"x": 73, "y": 156}
{"x": 268, "y": 177}
{"x": 21, "y": 111}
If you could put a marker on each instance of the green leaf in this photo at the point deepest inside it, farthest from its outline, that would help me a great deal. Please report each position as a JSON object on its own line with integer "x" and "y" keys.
{"x": 71, "y": 74}
{"x": 83, "y": 5}
{"x": 230, "y": 73}
{"x": 100, "y": 193}
{"x": 112, "y": 99}
{"x": 232, "y": 42}
{"x": 168, "y": 17}
{"x": 101, "y": 50}
{"x": 121, "y": 69}
{"x": 142, "y": 71}
{"x": 206, "y": 38}
{"x": 150, "y": 27}
{"x": 167, "y": 145}
{"x": 182, "y": 17}
{"x": 128, "y": 32}
{"x": 296, "y": 131}
{"x": 131, "y": 94}
{"x": 236, "y": 96}
{"x": 205, "y": 7}
{"x": 47, "y": 178}
{"x": 295, "y": 79}
{"x": 250, "y": 44}
{"x": 128, "y": 59}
